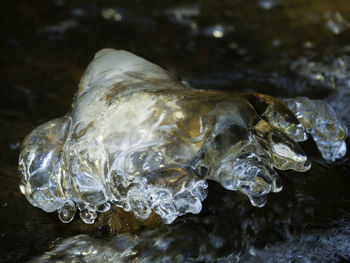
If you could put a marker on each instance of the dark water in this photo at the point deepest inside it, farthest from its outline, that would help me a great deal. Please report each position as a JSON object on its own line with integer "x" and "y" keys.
{"x": 284, "y": 48}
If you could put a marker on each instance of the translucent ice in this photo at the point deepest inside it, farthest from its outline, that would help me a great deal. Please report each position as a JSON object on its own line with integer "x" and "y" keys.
{"x": 138, "y": 139}
{"x": 331, "y": 73}
{"x": 320, "y": 120}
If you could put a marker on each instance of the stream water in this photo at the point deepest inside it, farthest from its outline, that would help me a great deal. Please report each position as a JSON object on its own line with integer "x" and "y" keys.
{"x": 285, "y": 48}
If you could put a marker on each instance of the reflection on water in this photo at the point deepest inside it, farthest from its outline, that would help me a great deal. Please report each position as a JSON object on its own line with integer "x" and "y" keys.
{"x": 264, "y": 46}
{"x": 331, "y": 245}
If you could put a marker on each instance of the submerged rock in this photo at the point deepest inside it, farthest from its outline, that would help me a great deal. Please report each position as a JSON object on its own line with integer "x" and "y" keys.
{"x": 139, "y": 139}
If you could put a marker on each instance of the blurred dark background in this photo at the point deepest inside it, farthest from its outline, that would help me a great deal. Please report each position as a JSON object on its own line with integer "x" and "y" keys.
{"x": 280, "y": 47}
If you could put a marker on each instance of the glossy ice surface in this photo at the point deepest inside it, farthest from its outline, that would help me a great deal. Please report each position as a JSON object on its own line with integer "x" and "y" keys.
{"x": 139, "y": 139}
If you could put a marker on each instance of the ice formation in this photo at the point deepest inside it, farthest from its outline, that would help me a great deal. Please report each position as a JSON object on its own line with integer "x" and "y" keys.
{"x": 138, "y": 139}
{"x": 328, "y": 132}
{"x": 331, "y": 73}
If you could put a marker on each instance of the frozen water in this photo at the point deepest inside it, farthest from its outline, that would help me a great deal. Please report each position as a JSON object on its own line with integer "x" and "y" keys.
{"x": 321, "y": 122}
{"x": 139, "y": 139}
{"x": 67, "y": 211}
{"x": 332, "y": 74}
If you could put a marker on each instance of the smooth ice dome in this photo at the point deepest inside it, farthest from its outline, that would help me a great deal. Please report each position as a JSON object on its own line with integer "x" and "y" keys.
{"x": 137, "y": 138}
